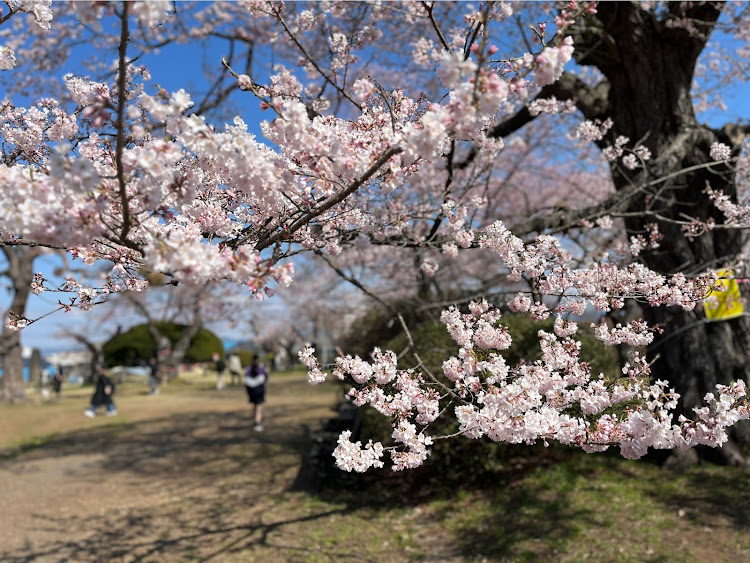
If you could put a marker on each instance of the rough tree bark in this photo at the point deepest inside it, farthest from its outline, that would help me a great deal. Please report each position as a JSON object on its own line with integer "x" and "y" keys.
{"x": 649, "y": 67}
{"x": 21, "y": 274}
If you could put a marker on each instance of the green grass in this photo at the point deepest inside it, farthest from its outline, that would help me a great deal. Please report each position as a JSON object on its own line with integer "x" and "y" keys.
{"x": 602, "y": 509}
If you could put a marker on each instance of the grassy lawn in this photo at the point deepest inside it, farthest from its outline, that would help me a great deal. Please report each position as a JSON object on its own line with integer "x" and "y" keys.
{"x": 182, "y": 477}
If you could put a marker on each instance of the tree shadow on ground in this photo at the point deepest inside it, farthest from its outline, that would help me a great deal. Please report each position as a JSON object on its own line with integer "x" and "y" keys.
{"x": 132, "y": 539}
{"x": 165, "y": 444}
{"x": 706, "y": 491}
{"x": 512, "y": 514}
{"x": 214, "y": 489}
{"x": 207, "y": 477}
{"x": 529, "y": 505}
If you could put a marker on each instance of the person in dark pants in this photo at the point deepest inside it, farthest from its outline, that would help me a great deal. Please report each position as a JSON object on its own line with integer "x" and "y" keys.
{"x": 255, "y": 385}
{"x": 105, "y": 389}
{"x": 57, "y": 381}
{"x": 155, "y": 377}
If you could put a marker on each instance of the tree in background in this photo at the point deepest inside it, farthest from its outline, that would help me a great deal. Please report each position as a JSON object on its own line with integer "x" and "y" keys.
{"x": 20, "y": 273}
{"x": 137, "y": 345}
{"x": 363, "y": 165}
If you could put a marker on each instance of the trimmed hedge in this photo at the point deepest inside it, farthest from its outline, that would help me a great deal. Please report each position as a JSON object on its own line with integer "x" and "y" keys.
{"x": 136, "y": 346}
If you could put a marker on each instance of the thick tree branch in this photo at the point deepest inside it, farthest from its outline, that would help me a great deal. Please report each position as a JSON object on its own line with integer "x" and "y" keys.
{"x": 279, "y": 235}
{"x": 592, "y": 102}
{"x": 120, "y": 146}
{"x": 5, "y": 241}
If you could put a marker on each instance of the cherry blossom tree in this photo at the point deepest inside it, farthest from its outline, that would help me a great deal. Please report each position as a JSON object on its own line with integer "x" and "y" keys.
{"x": 394, "y": 157}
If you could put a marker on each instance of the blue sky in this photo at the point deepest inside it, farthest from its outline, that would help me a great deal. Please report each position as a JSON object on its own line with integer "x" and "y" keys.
{"x": 181, "y": 66}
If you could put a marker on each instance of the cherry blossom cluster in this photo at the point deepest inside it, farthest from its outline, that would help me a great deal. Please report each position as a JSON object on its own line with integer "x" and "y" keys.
{"x": 639, "y": 242}
{"x": 719, "y": 151}
{"x": 736, "y": 214}
{"x": 40, "y": 9}
{"x": 83, "y": 297}
{"x": 205, "y": 203}
{"x": 633, "y": 159}
{"x": 593, "y": 130}
{"x": 551, "y": 105}
{"x": 555, "y": 398}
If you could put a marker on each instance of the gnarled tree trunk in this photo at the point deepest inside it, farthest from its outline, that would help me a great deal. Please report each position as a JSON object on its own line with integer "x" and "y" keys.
{"x": 649, "y": 68}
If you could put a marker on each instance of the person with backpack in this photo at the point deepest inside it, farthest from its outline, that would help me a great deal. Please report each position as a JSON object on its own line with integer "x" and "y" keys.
{"x": 255, "y": 385}
{"x": 105, "y": 389}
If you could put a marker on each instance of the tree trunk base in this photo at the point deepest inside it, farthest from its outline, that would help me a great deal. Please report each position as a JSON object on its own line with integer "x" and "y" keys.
{"x": 728, "y": 454}
{"x": 680, "y": 460}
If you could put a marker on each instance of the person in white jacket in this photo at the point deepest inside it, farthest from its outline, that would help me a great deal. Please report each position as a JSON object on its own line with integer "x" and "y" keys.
{"x": 235, "y": 369}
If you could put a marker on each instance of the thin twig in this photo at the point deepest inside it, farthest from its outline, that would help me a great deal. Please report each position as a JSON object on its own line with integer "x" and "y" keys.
{"x": 314, "y": 63}
{"x": 430, "y": 16}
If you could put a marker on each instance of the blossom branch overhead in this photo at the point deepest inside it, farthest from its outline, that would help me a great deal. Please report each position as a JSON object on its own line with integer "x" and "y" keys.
{"x": 364, "y": 151}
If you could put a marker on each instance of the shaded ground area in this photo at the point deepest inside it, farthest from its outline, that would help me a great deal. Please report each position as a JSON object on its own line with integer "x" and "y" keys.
{"x": 182, "y": 477}
{"x": 192, "y": 483}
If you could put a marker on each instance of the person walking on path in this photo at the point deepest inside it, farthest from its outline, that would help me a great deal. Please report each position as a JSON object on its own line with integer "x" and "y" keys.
{"x": 220, "y": 368}
{"x": 105, "y": 389}
{"x": 57, "y": 381}
{"x": 255, "y": 385}
{"x": 155, "y": 376}
{"x": 235, "y": 368}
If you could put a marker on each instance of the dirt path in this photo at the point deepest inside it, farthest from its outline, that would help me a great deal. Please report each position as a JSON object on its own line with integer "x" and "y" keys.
{"x": 193, "y": 483}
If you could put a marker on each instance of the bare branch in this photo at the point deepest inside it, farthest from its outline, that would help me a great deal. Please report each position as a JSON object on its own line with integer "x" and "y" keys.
{"x": 428, "y": 9}
{"x": 120, "y": 146}
{"x": 312, "y": 61}
{"x": 9, "y": 241}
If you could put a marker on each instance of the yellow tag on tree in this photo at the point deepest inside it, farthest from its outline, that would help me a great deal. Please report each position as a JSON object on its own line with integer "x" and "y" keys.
{"x": 724, "y": 302}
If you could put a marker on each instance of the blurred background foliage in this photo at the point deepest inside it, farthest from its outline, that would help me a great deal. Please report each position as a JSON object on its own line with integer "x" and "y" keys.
{"x": 136, "y": 346}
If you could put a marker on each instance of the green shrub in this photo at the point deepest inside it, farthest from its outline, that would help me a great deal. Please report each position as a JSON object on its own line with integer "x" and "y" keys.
{"x": 137, "y": 345}
{"x": 378, "y": 326}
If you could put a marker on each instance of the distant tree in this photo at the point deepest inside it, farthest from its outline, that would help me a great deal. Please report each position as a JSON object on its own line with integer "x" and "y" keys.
{"x": 136, "y": 345}
{"x": 21, "y": 276}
